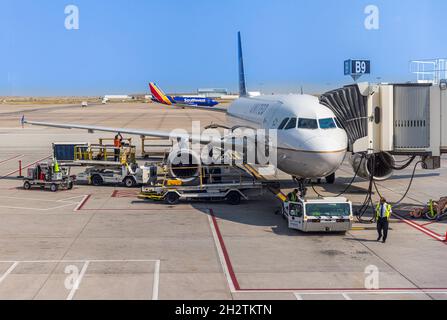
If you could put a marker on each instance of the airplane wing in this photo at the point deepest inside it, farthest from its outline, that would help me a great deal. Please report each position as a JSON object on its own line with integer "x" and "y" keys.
{"x": 140, "y": 132}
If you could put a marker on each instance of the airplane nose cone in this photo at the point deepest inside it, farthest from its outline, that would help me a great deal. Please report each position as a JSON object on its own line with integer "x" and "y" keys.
{"x": 321, "y": 156}
{"x": 329, "y": 142}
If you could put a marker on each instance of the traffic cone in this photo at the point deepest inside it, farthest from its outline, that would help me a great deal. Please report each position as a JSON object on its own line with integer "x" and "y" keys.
{"x": 445, "y": 237}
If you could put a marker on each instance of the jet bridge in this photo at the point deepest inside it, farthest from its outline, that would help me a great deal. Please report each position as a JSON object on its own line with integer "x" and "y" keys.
{"x": 393, "y": 119}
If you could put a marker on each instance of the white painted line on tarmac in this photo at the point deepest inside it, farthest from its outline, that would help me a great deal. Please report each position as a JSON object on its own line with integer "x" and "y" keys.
{"x": 71, "y": 198}
{"x": 82, "y": 203}
{"x": 24, "y": 167}
{"x": 298, "y": 297}
{"x": 13, "y": 158}
{"x": 38, "y": 209}
{"x": 66, "y": 200}
{"x": 78, "y": 281}
{"x": 41, "y": 200}
{"x": 10, "y": 269}
{"x": 421, "y": 228}
{"x": 76, "y": 261}
{"x": 156, "y": 280}
{"x": 155, "y": 286}
{"x": 221, "y": 255}
{"x": 346, "y": 296}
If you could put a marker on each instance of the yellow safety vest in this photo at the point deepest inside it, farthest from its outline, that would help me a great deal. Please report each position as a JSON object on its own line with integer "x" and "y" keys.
{"x": 387, "y": 211}
{"x": 293, "y": 197}
{"x": 56, "y": 167}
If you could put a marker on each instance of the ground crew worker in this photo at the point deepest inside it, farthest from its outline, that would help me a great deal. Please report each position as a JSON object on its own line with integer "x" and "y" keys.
{"x": 293, "y": 196}
{"x": 383, "y": 214}
{"x": 117, "y": 142}
{"x": 56, "y": 168}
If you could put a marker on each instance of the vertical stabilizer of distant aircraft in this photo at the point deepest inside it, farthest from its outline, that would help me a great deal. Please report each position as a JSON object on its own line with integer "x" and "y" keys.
{"x": 242, "y": 86}
{"x": 159, "y": 95}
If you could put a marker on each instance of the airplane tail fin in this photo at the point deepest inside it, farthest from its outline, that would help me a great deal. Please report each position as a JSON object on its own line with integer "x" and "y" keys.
{"x": 242, "y": 86}
{"x": 159, "y": 95}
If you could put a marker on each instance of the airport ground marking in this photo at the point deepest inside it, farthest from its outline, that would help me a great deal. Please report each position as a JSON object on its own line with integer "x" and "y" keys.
{"x": 78, "y": 281}
{"x": 66, "y": 201}
{"x": 38, "y": 209}
{"x": 25, "y": 167}
{"x": 80, "y": 261}
{"x": 347, "y": 294}
{"x": 298, "y": 297}
{"x": 235, "y": 288}
{"x": 13, "y": 158}
{"x": 43, "y": 200}
{"x": 82, "y": 203}
{"x": 223, "y": 254}
{"x": 422, "y": 228}
{"x": 155, "y": 285}
{"x": 124, "y": 194}
{"x": 87, "y": 199}
{"x": 10, "y": 269}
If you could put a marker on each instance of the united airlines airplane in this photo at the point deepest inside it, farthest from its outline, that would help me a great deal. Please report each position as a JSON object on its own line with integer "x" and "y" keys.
{"x": 311, "y": 143}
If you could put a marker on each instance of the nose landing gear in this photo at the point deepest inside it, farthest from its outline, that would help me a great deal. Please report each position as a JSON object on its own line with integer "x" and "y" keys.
{"x": 301, "y": 183}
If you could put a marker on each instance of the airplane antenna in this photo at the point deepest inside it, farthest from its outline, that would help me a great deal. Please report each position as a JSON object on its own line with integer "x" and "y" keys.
{"x": 242, "y": 86}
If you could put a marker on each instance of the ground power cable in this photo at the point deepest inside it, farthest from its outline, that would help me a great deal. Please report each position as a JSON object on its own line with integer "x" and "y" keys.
{"x": 348, "y": 186}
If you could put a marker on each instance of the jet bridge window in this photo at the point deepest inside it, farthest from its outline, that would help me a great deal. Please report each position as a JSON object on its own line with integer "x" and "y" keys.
{"x": 291, "y": 124}
{"x": 327, "y": 123}
{"x": 304, "y": 123}
{"x": 283, "y": 123}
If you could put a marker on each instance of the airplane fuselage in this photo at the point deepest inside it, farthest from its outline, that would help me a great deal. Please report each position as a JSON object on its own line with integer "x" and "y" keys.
{"x": 310, "y": 144}
{"x": 194, "y": 101}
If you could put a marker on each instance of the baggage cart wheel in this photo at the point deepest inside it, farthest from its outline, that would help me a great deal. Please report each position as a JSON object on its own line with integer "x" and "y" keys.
{"x": 53, "y": 187}
{"x": 97, "y": 180}
{"x": 129, "y": 182}
{"x": 26, "y": 185}
{"x": 234, "y": 198}
{"x": 172, "y": 198}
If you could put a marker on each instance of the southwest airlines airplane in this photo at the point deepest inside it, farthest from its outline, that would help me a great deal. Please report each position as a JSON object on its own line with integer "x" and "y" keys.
{"x": 160, "y": 97}
{"x": 310, "y": 142}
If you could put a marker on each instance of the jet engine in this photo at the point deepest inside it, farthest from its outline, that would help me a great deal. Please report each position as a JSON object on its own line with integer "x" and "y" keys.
{"x": 381, "y": 165}
{"x": 184, "y": 165}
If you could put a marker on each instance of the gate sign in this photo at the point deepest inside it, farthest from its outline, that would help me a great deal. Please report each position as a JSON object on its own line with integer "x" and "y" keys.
{"x": 357, "y": 68}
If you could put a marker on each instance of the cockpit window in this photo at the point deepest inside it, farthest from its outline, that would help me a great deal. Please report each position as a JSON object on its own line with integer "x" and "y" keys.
{"x": 327, "y": 123}
{"x": 283, "y": 124}
{"x": 304, "y": 123}
{"x": 291, "y": 124}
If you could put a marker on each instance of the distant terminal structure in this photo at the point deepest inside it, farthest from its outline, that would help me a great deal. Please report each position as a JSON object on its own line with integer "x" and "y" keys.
{"x": 429, "y": 70}
{"x": 212, "y": 92}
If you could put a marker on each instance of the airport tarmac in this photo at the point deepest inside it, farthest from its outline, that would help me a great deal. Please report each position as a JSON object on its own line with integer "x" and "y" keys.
{"x": 104, "y": 243}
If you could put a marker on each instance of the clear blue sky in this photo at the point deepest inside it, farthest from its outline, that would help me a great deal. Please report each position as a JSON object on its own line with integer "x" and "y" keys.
{"x": 183, "y": 45}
